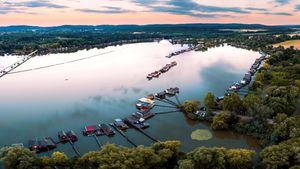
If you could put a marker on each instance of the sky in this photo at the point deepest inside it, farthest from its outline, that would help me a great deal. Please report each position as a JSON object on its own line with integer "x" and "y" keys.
{"x": 97, "y": 12}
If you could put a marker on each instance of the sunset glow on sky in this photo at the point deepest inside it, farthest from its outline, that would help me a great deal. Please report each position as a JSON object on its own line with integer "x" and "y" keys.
{"x": 97, "y": 12}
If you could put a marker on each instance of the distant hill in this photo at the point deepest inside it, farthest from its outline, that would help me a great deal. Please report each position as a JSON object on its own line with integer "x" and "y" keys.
{"x": 153, "y": 27}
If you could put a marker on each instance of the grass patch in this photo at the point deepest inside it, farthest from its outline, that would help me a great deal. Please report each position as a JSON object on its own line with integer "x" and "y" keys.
{"x": 289, "y": 43}
{"x": 201, "y": 134}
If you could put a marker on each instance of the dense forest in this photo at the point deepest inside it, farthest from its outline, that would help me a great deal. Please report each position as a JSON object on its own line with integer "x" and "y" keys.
{"x": 21, "y": 40}
{"x": 272, "y": 106}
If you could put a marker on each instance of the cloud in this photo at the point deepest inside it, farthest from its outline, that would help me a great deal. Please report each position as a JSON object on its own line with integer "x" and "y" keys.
{"x": 107, "y": 10}
{"x": 256, "y": 9}
{"x": 5, "y": 9}
{"x": 189, "y": 8}
{"x": 178, "y": 11}
{"x": 35, "y": 4}
{"x": 24, "y": 7}
{"x": 282, "y": 2}
{"x": 297, "y": 8}
{"x": 277, "y": 13}
{"x": 10, "y": 9}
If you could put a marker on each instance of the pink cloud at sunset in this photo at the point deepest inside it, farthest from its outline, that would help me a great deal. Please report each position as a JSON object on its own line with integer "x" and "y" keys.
{"x": 96, "y": 12}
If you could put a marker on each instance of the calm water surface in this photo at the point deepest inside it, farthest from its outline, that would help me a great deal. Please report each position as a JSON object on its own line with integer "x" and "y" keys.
{"x": 102, "y": 88}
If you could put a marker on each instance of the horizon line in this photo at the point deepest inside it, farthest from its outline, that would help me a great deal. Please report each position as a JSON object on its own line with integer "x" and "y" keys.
{"x": 187, "y": 23}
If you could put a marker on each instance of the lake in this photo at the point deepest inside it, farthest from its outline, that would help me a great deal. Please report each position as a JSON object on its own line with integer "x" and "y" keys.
{"x": 107, "y": 84}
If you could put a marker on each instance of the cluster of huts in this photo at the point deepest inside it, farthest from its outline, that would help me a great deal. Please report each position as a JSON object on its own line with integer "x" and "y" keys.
{"x": 136, "y": 120}
{"x": 164, "y": 69}
{"x": 181, "y": 51}
{"x": 237, "y": 86}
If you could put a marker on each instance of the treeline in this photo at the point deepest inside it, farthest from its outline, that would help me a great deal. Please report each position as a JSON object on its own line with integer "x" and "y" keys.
{"x": 20, "y": 40}
{"x": 21, "y": 43}
{"x": 161, "y": 155}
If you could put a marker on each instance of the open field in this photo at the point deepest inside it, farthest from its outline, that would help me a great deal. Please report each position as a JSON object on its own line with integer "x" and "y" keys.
{"x": 286, "y": 44}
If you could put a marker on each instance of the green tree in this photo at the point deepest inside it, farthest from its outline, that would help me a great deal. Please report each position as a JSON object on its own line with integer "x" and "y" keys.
{"x": 17, "y": 157}
{"x": 220, "y": 121}
{"x": 60, "y": 159}
{"x": 250, "y": 100}
{"x": 260, "y": 112}
{"x": 283, "y": 155}
{"x": 191, "y": 106}
{"x": 208, "y": 158}
{"x": 209, "y": 100}
{"x": 239, "y": 158}
{"x": 286, "y": 127}
{"x": 186, "y": 164}
{"x": 233, "y": 103}
{"x": 168, "y": 151}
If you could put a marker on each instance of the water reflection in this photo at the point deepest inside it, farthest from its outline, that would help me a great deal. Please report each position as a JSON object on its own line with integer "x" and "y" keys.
{"x": 99, "y": 89}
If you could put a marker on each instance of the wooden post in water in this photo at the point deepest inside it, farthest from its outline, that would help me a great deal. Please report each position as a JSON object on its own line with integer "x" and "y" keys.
{"x": 97, "y": 141}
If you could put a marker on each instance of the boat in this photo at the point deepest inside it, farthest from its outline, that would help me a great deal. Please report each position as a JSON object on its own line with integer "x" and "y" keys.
{"x": 106, "y": 130}
{"x": 149, "y": 76}
{"x": 161, "y": 95}
{"x": 119, "y": 123}
{"x": 145, "y": 114}
{"x": 150, "y": 96}
{"x": 156, "y": 74}
{"x": 62, "y": 136}
{"x": 164, "y": 69}
{"x": 138, "y": 123}
{"x": 92, "y": 130}
{"x": 172, "y": 91}
{"x": 144, "y": 106}
{"x": 43, "y": 144}
{"x": 72, "y": 136}
{"x": 220, "y": 98}
{"x": 174, "y": 63}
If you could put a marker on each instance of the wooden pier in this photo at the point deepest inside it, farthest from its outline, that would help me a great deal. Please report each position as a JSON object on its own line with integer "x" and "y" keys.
{"x": 139, "y": 127}
{"x": 167, "y": 112}
{"x": 97, "y": 141}
{"x": 13, "y": 66}
{"x": 74, "y": 148}
{"x": 146, "y": 134}
{"x": 123, "y": 134}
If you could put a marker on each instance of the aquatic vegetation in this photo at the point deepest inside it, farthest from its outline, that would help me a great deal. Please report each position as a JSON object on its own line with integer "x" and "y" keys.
{"x": 201, "y": 134}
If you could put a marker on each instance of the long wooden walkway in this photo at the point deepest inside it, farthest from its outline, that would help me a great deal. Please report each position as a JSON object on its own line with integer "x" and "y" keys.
{"x": 13, "y": 66}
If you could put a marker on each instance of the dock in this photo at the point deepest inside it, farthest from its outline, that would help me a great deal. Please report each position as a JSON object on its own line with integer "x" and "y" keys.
{"x": 181, "y": 51}
{"x": 74, "y": 148}
{"x": 242, "y": 88}
{"x": 123, "y": 134}
{"x": 164, "y": 69}
{"x": 97, "y": 140}
{"x": 139, "y": 126}
{"x": 13, "y": 66}
{"x": 69, "y": 137}
{"x": 167, "y": 112}
{"x": 136, "y": 120}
